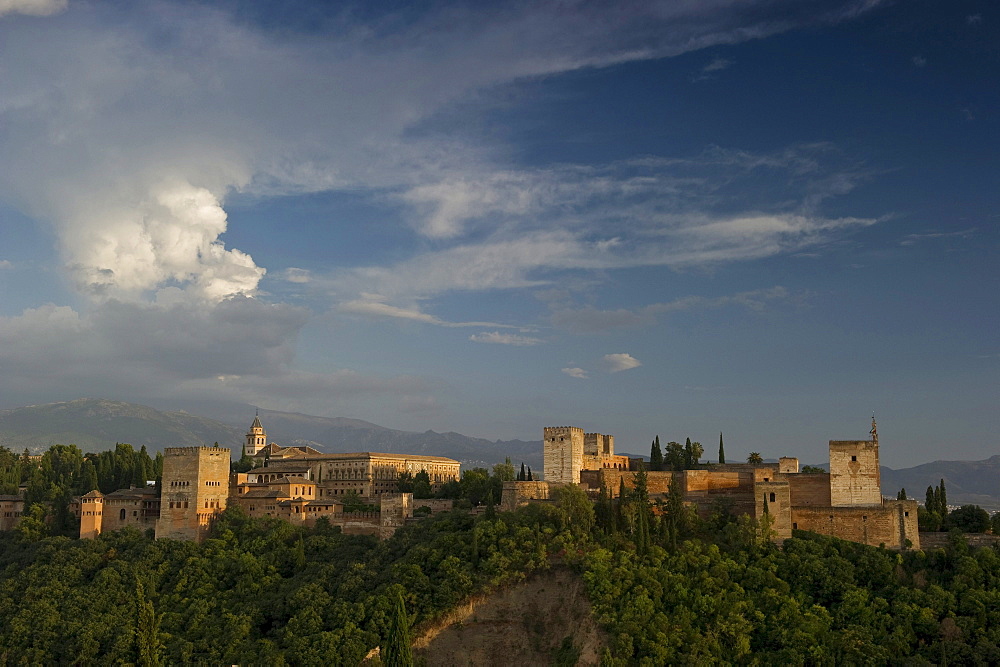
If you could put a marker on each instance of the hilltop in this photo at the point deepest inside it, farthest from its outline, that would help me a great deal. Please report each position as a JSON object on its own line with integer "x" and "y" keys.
{"x": 97, "y": 424}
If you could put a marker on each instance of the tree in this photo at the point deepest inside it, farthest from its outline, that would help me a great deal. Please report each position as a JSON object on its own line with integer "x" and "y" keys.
{"x": 688, "y": 454}
{"x": 656, "y": 455}
{"x": 722, "y": 450}
{"x": 970, "y": 519}
{"x": 674, "y": 456}
{"x": 902, "y": 494}
{"x": 697, "y": 451}
{"x": 404, "y": 484}
{"x": 522, "y": 476}
{"x": 530, "y": 478}
{"x": 422, "y": 485}
{"x": 812, "y": 469}
{"x": 755, "y": 458}
{"x": 149, "y": 647}
{"x": 396, "y": 651}
{"x": 643, "y": 517}
{"x": 943, "y": 507}
{"x": 930, "y": 501}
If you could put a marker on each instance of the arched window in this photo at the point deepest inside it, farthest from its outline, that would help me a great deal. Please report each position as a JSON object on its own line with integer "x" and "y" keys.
{"x": 121, "y": 515}
{"x": 772, "y": 497}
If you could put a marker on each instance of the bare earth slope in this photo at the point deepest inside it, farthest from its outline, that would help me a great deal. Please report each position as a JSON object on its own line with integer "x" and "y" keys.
{"x": 524, "y": 624}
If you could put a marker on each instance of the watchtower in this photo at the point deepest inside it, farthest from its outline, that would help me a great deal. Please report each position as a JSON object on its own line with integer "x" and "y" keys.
{"x": 91, "y": 514}
{"x": 256, "y": 438}
{"x": 194, "y": 488}
{"x": 855, "y": 477}
{"x": 562, "y": 454}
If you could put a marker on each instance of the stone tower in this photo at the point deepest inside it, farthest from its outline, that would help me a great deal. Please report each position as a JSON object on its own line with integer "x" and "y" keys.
{"x": 194, "y": 489}
{"x": 91, "y": 515}
{"x": 562, "y": 452}
{"x": 855, "y": 477}
{"x": 256, "y": 438}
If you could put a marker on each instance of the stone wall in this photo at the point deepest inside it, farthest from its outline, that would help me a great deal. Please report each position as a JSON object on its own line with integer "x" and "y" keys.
{"x": 890, "y": 524}
{"x": 810, "y": 489}
{"x": 562, "y": 453}
{"x": 516, "y": 494}
{"x": 788, "y": 464}
{"x": 855, "y": 478}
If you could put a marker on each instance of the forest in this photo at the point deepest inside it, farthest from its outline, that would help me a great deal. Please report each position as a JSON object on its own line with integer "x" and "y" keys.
{"x": 668, "y": 587}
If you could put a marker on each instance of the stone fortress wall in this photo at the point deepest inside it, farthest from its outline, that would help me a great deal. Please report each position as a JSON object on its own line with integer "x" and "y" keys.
{"x": 847, "y": 502}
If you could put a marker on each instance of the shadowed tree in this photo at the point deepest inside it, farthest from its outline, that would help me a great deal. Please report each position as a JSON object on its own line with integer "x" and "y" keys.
{"x": 722, "y": 450}
{"x": 755, "y": 458}
{"x": 396, "y": 652}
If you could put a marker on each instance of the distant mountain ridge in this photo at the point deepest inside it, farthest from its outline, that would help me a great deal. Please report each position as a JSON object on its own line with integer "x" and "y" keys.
{"x": 97, "y": 424}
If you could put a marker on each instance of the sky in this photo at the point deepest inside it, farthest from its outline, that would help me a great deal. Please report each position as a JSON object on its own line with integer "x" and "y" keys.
{"x": 766, "y": 218}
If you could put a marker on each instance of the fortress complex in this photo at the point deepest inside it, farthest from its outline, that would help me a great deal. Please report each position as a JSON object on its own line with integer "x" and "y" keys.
{"x": 847, "y": 502}
{"x": 296, "y": 484}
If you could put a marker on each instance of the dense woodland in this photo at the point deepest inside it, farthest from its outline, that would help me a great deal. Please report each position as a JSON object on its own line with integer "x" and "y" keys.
{"x": 667, "y": 586}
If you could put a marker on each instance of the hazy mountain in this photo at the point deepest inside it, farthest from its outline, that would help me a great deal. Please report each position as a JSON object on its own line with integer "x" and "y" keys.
{"x": 95, "y": 425}
{"x": 967, "y": 482}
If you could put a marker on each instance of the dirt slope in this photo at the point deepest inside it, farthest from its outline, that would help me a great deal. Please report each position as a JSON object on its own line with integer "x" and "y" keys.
{"x": 525, "y": 624}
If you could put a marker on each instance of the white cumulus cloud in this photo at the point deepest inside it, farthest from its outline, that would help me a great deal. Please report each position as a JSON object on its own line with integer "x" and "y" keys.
{"x": 32, "y": 7}
{"x": 575, "y": 372}
{"x": 620, "y": 361}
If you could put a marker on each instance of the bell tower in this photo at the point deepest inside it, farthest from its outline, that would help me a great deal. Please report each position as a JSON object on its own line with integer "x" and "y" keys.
{"x": 256, "y": 438}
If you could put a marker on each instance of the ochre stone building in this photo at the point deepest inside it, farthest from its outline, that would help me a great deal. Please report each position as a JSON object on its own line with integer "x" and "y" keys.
{"x": 369, "y": 474}
{"x": 847, "y": 502}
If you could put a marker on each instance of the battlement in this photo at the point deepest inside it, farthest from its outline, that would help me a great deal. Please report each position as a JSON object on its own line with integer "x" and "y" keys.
{"x": 562, "y": 453}
{"x": 189, "y": 451}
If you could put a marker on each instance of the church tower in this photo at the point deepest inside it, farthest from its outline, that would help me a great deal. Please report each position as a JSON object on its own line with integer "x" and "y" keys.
{"x": 256, "y": 438}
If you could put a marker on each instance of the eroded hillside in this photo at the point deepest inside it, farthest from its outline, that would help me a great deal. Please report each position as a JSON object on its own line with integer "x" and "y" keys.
{"x": 525, "y": 624}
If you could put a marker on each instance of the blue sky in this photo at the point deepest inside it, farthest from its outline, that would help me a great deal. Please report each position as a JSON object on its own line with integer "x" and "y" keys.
{"x": 678, "y": 218}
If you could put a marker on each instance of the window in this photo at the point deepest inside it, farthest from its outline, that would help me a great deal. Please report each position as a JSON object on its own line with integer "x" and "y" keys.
{"x": 854, "y": 458}
{"x": 772, "y": 497}
{"x": 121, "y": 515}
{"x": 795, "y": 526}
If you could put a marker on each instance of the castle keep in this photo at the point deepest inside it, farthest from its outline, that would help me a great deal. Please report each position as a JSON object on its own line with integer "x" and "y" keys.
{"x": 847, "y": 502}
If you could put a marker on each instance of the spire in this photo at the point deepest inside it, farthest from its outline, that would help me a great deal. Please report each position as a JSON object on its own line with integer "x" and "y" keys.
{"x": 256, "y": 422}
{"x": 874, "y": 430}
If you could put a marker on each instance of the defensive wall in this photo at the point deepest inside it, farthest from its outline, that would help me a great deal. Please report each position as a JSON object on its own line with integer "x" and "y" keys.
{"x": 194, "y": 489}
{"x": 846, "y": 502}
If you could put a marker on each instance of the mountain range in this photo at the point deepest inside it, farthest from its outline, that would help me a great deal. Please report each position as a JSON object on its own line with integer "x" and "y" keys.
{"x": 97, "y": 424}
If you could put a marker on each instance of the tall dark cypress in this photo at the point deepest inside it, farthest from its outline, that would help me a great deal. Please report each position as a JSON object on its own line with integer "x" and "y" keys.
{"x": 722, "y": 450}
{"x": 656, "y": 455}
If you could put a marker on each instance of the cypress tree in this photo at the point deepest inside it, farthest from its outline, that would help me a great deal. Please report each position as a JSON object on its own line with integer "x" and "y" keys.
{"x": 766, "y": 511}
{"x": 939, "y": 506}
{"x": 522, "y": 476}
{"x": 902, "y": 494}
{"x": 397, "y": 652}
{"x": 530, "y": 479}
{"x": 944, "y": 500}
{"x": 656, "y": 455}
{"x": 722, "y": 450}
{"x": 929, "y": 502}
{"x": 149, "y": 648}
{"x": 688, "y": 454}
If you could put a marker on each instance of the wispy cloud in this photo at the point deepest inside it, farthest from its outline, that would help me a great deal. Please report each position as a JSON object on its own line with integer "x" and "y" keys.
{"x": 374, "y": 306}
{"x": 6, "y": 264}
{"x": 912, "y": 239}
{"x": 919, "y": 61}
{"x": 499, "y": 338}
{"x": 575, "y": 372}
{"x": 717, "y": 64}
{"x": 620, "y": 361}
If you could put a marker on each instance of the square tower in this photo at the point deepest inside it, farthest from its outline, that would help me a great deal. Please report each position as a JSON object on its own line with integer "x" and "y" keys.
{"x": 599, "y": 445}
{"x": 562, "y": 453}
{"x": 855, "y": 478}
{"x": 194, "y": 489}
